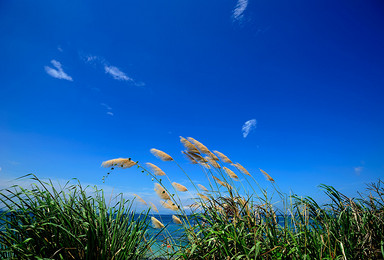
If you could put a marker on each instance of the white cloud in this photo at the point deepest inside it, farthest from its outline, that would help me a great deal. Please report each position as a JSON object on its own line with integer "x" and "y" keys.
{"x": 109, "y": 112}
{"x": 238, "y": 12}
{"x": 116, "y": 73}
{"x": 106, "y": 106}
{"x": 248, "y": 127}
{"x": 358, "y": 170}
{"x": 59, "y": 49}
{"x": 58, "y": 71}
{"x": 0, "y": 169}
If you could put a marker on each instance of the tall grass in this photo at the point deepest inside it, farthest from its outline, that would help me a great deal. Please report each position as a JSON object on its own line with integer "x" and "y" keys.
{"x": 69, "y": 223}
{"x": 235, "y": 218}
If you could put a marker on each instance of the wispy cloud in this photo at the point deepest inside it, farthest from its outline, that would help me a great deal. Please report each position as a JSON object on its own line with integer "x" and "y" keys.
{"x": 58, "y": 71}
{"x": 248, "y": 127}
{"x": 109, "y": 112}
{"x": 238, "y": 12}
{"x": 358, "y": 170}
{"x": 116, "y": 73}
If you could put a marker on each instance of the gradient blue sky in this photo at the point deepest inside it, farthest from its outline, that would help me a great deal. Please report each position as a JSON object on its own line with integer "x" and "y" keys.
{"x": 86, "y": 81}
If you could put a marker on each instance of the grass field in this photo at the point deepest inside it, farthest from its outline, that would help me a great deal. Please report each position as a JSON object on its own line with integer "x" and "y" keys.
{"x": 233, "y": 218}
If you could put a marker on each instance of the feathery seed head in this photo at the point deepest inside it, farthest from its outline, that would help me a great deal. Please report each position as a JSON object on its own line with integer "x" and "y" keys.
{"x": 199, "y": 145}
{"x": 187, "y": 144}
{"x": 202, "y": 187}
{"x": 203, "y": 196}
{"x": 121, "y": 162}
{"x": 267, "y": 176}
{"x": 156, "y": 170}
{"x": 206, "y": 165}
{"x": 222, "y": 157}
{"x": 197, "y": 157}
{"x": 190, "y": 158}
{"x": 154, "y": 207}
{"x": 224, "y": 184}
{"x": 179, "y": 187}
{"x": 176, "y": 220}
{"x": 161, "y": 155}
{"x": 212, "y": 162}
{"x": 241, "y": 169}
{"x": 156, "y": 223}
{"x": 168, "y": 204}
{"x": 160, "y": 191}
{"x": 231, "y": 173}
{"x": 140, "y": 199}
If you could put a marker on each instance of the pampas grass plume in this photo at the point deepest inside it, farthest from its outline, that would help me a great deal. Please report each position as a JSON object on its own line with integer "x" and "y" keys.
{"x": 231, "y": 173}
{"x": 176, "y": 220}
{"x": 161, "y": 155}
{"x": 179, "y": 187}
{"x": 187, "y": 144}
{"x": 168, "y": 204}
{"x": 160, "y": 191}
{"x": 122, "y": 162}
{"x": 267, "y": 176}
{"x": 156, "y": 170}
{"x": 140, "y": 199}
{"x": 223, "y": 157}
{"x": 199, "y": 145}
{"x": 241, "y": 169}
{"x": 154, "y": 207}
{"x": 156, "y": 223}
{"x": 202, "y": 187}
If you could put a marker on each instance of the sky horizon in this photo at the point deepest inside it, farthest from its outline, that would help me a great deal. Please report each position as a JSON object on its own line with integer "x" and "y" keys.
{"x": 294, "y": 88}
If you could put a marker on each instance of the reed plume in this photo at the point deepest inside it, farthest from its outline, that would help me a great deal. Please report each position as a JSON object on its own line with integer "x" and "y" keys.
{"x": 197, "y": 157}
{"x": 156, "y": 170}
{"x": 161, "y": 155}
{"x": 241, "y": 169}
{"x": 206, "y": 165}
{"x": 203, "y": 196}
{"x": 212, "y": 162}
{"x": 168, "y": 204}
{"x": 222, "y": 183}
{"x": 199, "y": 145}
{"x": 213, "y": 156}
{"x": 156, "y": 223}
{"x": 187, "y": 144}
{"x": 154, "y": 207}
{"x": 202, "y": 187}
{"x": 231, "y": 173}
{"x": 176, "y": 220}
{"x": 160, "y": 191}
{"x": 140, "y": 199}
{"x": 267, "y": 176}
{"x": 121, "y": 162}
{"x": 179, "y": 187}
{"x": 223, "y": 157}
{"x": 190, "y": 158}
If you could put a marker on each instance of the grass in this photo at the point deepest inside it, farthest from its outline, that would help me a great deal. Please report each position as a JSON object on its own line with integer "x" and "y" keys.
{"x": 69, "y": 223}
{"x": 232, "y": 218}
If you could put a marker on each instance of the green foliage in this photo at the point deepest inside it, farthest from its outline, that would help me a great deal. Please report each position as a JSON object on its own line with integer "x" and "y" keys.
{"x": 69, "y": 223}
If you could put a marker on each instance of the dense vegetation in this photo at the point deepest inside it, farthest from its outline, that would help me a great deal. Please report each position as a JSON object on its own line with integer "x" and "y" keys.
{"x": 234, "y": 218}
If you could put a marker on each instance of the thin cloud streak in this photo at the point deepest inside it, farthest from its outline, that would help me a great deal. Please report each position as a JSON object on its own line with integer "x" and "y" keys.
{"x": 358, "y": 170}
{"x": 116, "y": 73}
{"x": 238, "y": 12}
{"x": 58, "y": 71}
{"x": 248, "y": 127}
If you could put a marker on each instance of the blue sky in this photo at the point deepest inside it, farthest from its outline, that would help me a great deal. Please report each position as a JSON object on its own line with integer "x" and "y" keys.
{"x": 86, "y": 81}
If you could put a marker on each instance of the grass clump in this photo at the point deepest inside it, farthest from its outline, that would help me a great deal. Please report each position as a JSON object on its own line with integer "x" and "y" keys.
{"x": 235, "y": 218}
{"x": 69, "y": 223}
